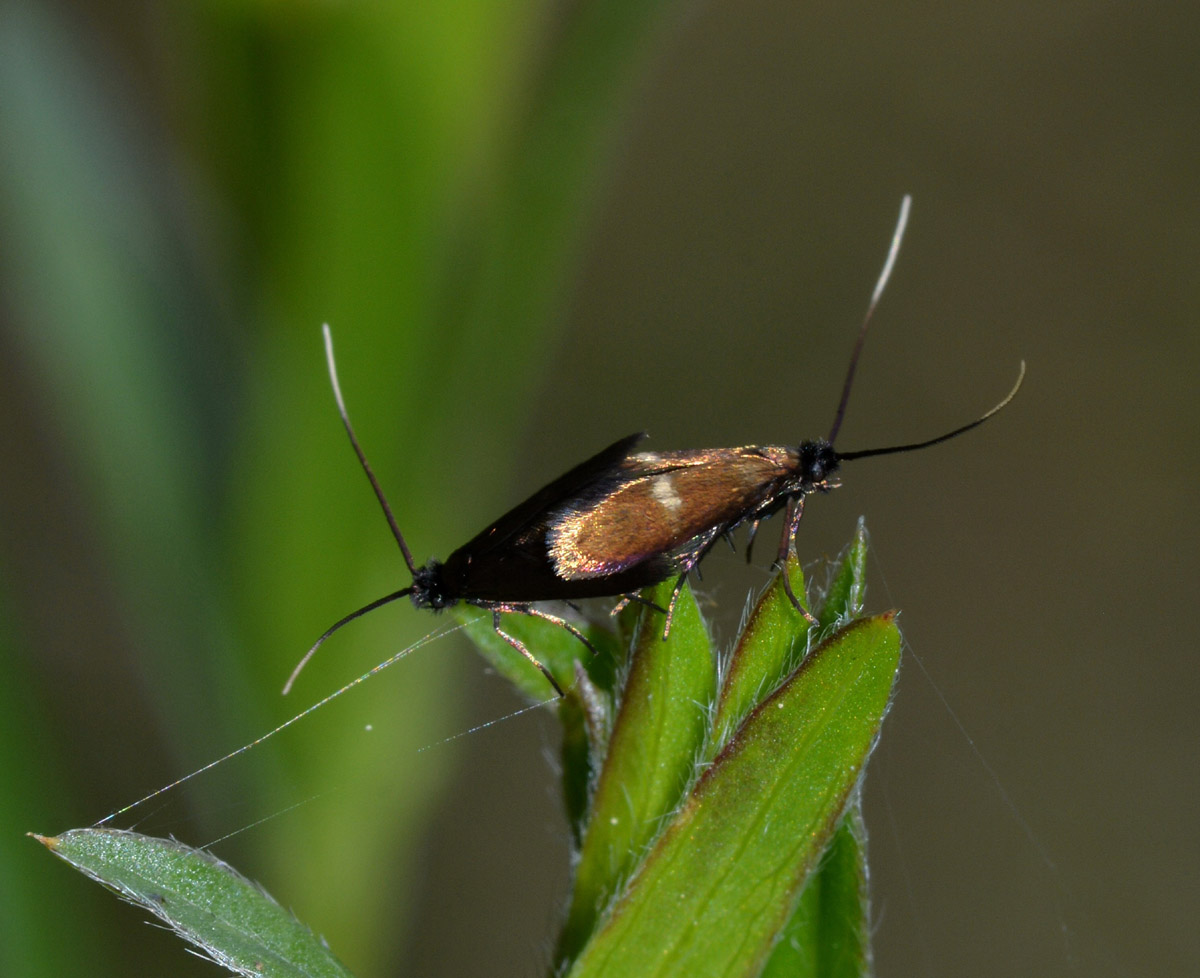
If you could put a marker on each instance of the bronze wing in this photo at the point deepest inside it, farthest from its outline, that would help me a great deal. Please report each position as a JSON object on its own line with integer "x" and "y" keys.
{"x": 662, "y": 506}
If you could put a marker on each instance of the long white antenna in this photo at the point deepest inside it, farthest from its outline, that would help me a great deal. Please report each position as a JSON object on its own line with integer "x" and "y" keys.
{"x": 437, "y": 633}
{"x": 893, "y": 251}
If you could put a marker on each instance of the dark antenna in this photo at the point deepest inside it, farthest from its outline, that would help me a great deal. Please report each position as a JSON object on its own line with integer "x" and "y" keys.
{"x": 377, "y": 603}
{"x": 366, "y": 466}
{"x": 847, "y": 456}
{"x": 387, "y": 512}
{"x": 893, "y": 251}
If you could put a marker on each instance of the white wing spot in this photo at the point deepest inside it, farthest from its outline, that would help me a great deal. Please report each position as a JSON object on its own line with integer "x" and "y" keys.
{"x": 663, "y": 491}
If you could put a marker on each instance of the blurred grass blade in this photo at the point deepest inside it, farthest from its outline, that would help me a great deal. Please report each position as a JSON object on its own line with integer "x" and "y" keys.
{"x": 32, "y": 901}
{"x": 713, "y": 894}
{"x": 104, "y": 310}
{"x": 656, "y": 740}
{"x": 206, "y": 902}
{"x": 508, "y": 277}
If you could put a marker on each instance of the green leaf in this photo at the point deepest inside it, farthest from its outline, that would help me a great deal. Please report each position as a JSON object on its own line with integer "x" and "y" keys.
{"x": 656, "y": 740}
{"x": 206, "y": 902}
{"x": 720, "y": 883}
{"x": 848, "y": 584}
{"x": 770, "y": 646}
{"x": 829, "y": 934}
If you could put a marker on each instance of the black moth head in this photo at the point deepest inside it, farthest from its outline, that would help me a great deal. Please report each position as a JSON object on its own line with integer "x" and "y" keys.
{"x": 428, "y": 590}
{"x": 818, "y": 461}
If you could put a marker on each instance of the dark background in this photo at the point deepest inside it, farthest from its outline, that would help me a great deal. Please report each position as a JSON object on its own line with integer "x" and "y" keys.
{"x": 187, "y": 194}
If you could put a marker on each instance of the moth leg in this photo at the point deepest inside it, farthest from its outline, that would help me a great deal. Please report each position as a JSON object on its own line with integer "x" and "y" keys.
{"x": 626, "y": 599}
{"x": 526, "y": 609}
{"x": 555, "y": 620}
{"x": 795, "y": 510}
{"x": 674, "y": 597}
{"x": 700, "y": 546}
{"x": 524, "y": 651}
{"x": 750, "y": 535}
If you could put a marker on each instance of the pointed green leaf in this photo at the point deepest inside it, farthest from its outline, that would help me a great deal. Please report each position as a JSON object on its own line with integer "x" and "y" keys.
{"x": 848, "y": 585}
{"x": 656, "y": 741}
{"x": 770, "y": 646}
{"x": 829, "y": 933}
{"x": 206, "y": 902}
{"x": 721, "y": 882}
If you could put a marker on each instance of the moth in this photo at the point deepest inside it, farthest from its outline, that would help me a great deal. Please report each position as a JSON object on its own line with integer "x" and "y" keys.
{"x": 623, "y": 519}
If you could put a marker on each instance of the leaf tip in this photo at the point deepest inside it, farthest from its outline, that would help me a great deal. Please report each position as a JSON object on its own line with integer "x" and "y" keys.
{"x": 49, "y": 841}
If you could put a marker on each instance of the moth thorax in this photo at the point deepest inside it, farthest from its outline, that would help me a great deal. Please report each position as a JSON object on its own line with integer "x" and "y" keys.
{"x": 818, "y": 461}
{"x": 428, "y": 589}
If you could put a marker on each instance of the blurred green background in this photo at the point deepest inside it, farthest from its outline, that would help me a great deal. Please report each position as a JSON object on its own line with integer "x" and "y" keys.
{"x": 536, "y": 228}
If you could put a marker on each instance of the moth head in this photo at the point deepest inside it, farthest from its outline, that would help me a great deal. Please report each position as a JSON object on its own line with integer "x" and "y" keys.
{"x": 428, "y": 588}
{"x": 818, "y": 461}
